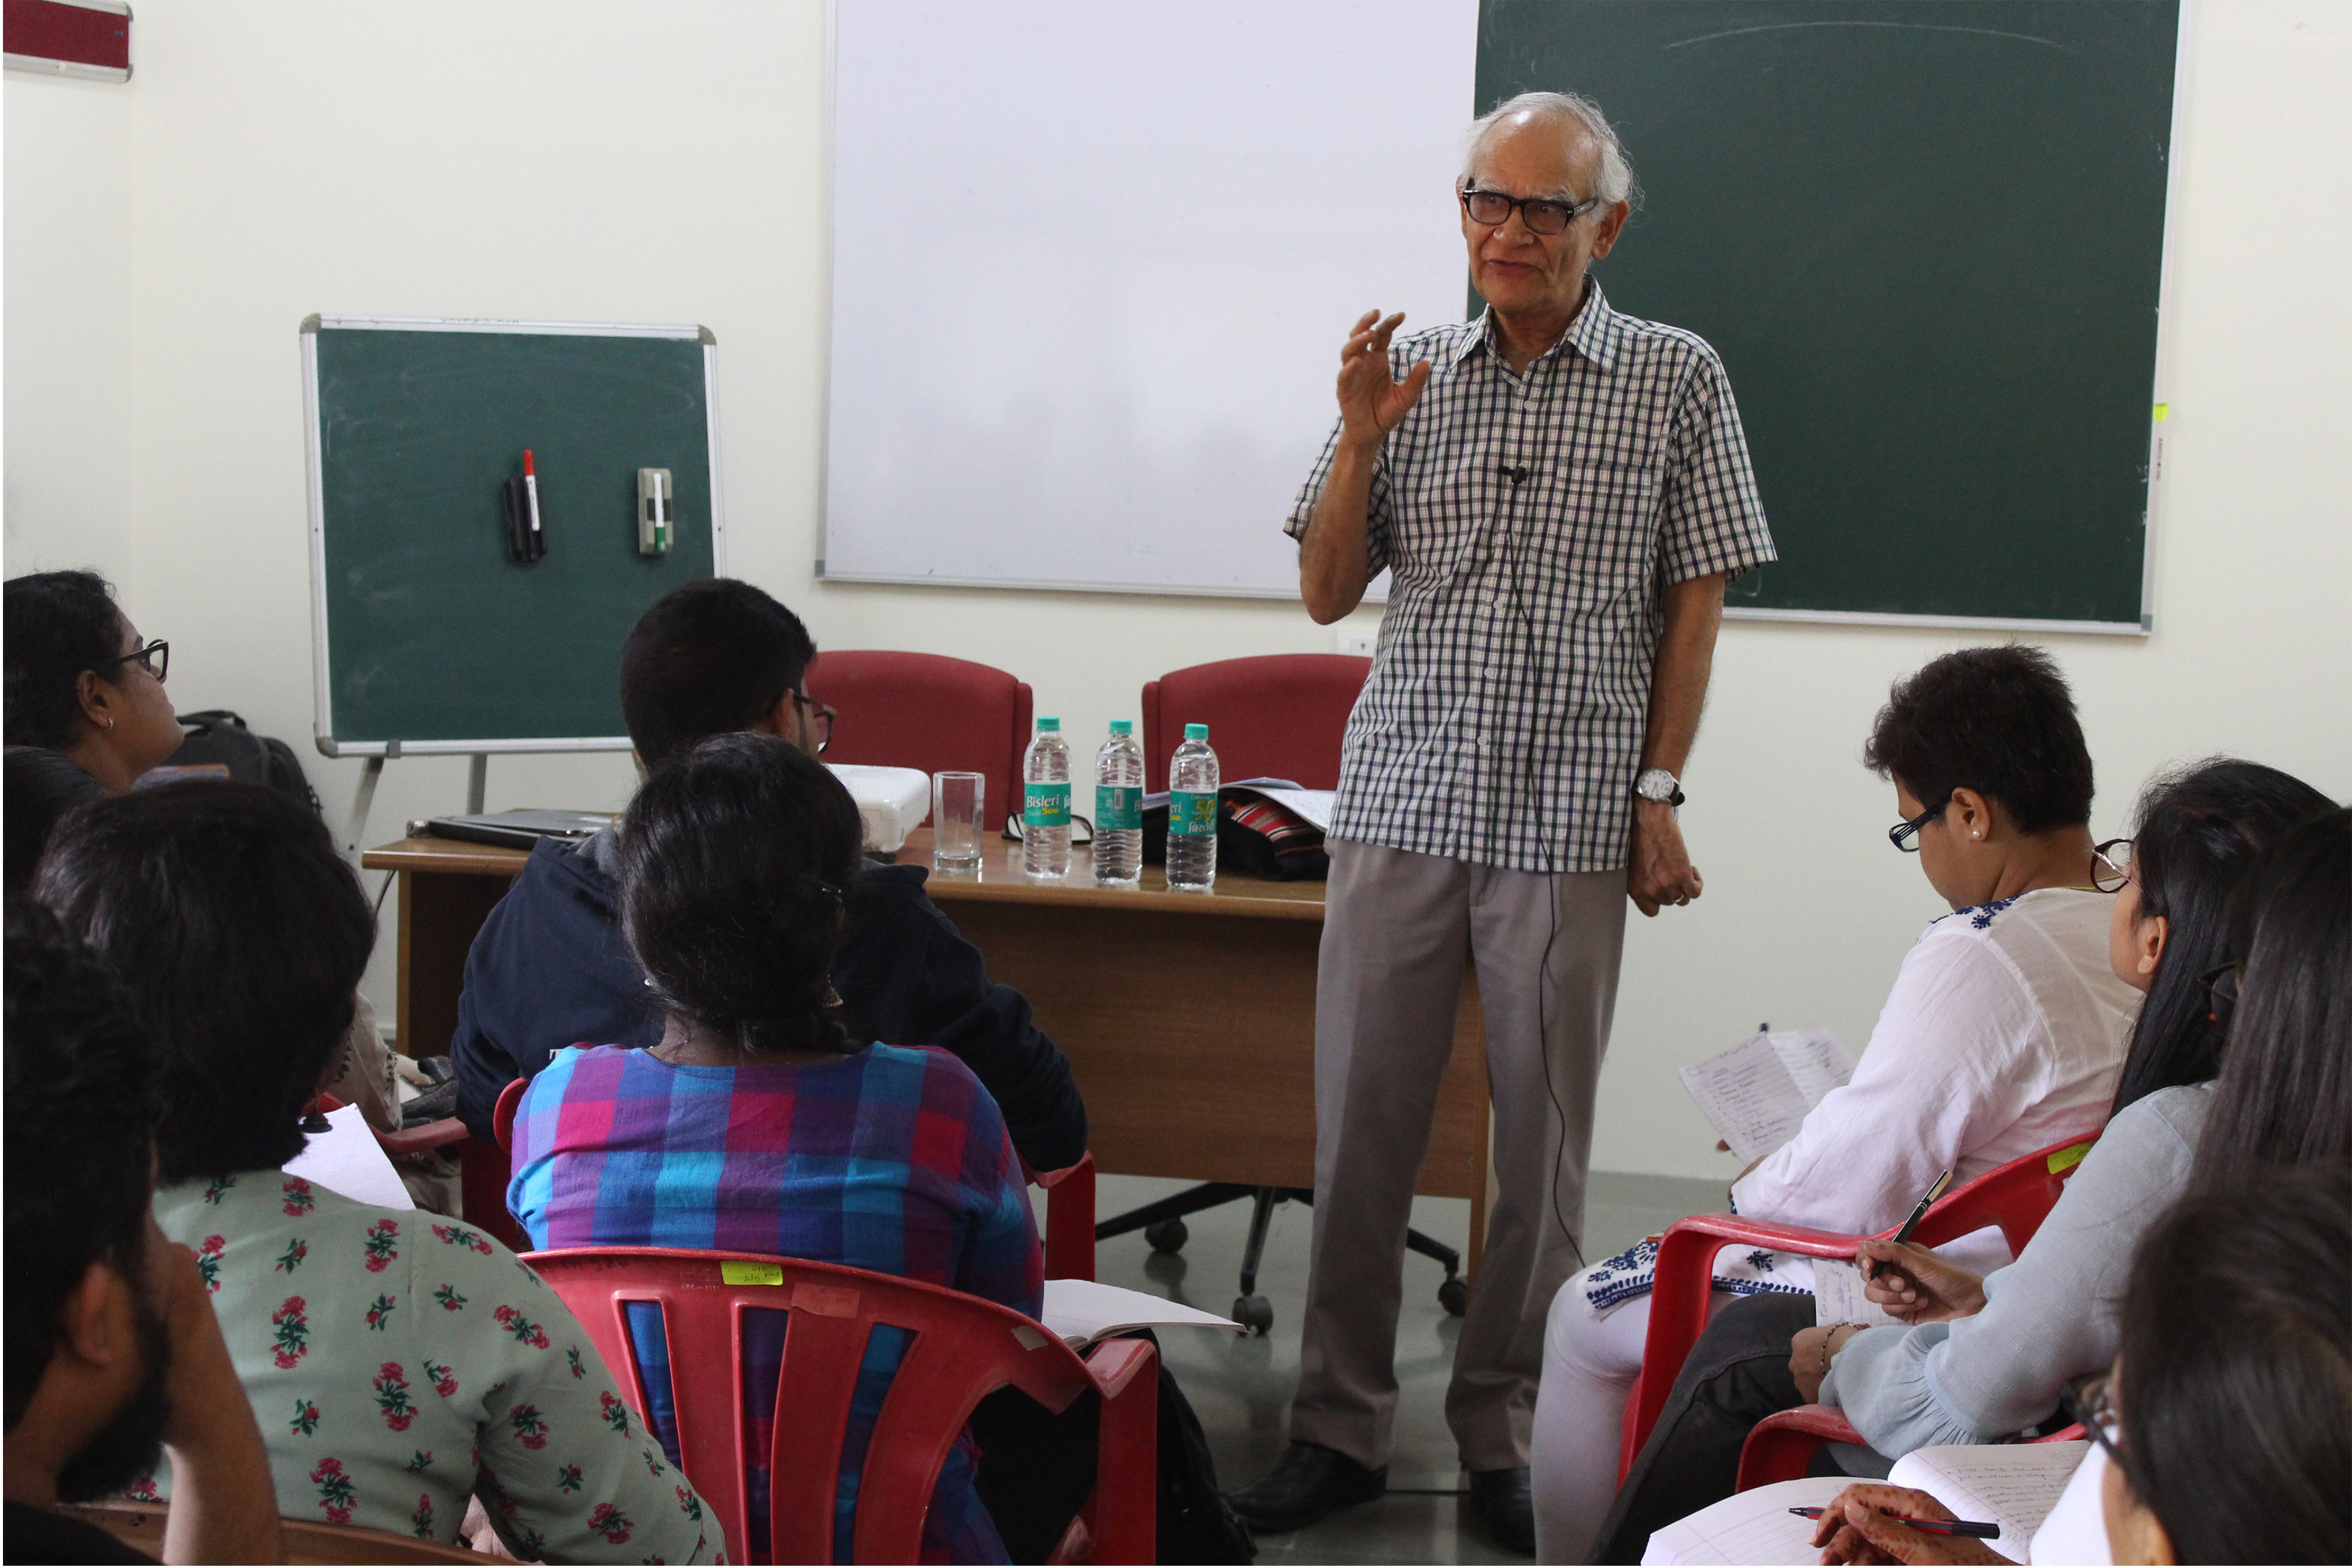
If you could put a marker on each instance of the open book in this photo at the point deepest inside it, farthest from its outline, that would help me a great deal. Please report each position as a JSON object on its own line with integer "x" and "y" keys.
{"x": 1756, "y": 1093}
{"x": 2014, "y": 1485}
{"x": 1083, "y": 1311}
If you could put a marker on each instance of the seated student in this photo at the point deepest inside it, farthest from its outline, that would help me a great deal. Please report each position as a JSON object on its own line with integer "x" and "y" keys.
{"x": 398, "y": 1362}
{"x": 550, "y": 970}
{"x": 114, "y": 1354}
{"x": 86, "y": 713}
{"x": 758, "y": 1121}
{"x": 1983, "y": 1372}
{"x": 2228, "y": 1412}
{"x": 2003, "y": 1034}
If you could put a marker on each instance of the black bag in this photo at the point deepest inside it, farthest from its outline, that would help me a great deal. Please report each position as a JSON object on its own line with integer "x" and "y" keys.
{"x": 218, "y": 738}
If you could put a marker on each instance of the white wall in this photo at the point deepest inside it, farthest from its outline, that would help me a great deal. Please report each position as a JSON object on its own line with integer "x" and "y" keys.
{"x": 453, "y": 158}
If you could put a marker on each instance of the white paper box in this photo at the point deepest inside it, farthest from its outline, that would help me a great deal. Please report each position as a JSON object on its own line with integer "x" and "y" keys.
{"x": 892, "y": 802}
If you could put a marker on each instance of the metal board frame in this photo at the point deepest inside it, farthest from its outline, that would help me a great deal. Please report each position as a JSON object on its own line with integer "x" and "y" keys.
{"x": 322, "y": 687}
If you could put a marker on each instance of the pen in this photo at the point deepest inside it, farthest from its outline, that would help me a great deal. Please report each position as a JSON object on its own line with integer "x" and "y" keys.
{"x": 1969, "y": 1527}
{"x": 1933, "y": 1191}
{"x": 530, "y": 487}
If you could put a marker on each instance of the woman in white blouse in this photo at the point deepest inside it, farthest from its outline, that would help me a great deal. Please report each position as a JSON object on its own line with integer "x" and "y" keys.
{"x": 2003, "y": 1034}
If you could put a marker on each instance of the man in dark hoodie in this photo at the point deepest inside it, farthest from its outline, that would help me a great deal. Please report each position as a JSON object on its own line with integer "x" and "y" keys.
{"x": 549, "y": 969}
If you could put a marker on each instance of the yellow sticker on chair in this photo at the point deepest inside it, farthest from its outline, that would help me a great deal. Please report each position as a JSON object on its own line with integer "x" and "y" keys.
{"x": 2066, "y": 1159}
{"x": 744, "y": 1271}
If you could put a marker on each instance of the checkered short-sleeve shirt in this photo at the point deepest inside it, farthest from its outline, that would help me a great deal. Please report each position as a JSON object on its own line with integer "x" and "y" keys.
{"x": 1531, "y": 524}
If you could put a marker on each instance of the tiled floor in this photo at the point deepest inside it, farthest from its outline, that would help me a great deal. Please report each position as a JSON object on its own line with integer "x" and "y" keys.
{"x": 1242, "y": 1386}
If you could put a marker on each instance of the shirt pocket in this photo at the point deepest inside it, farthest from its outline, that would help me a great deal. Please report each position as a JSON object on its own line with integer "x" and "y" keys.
{"x": 1598, "y": 538}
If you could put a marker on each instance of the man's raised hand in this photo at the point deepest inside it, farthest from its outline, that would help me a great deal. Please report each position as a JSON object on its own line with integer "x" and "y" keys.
{"x": 1371, "y": 400}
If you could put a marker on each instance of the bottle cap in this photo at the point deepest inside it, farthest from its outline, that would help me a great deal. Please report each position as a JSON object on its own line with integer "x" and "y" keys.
{"x": 1045, "y": 724}
{"x": 1122, "y": 726}
{"x": 1196, "y": 731}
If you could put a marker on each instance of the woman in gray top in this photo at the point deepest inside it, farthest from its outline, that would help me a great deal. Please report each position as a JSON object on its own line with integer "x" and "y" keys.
{"x": 1986, "y": 1360}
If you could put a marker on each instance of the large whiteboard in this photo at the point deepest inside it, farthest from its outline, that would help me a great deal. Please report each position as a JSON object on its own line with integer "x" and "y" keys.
{"x": 1092, "y": 264}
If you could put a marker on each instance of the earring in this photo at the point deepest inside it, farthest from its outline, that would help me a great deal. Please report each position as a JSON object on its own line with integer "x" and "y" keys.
{"x": 109, "y": 721}
{"x": 832, "y": 998}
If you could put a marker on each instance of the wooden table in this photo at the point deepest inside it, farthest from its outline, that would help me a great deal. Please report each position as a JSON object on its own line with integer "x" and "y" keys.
{"x": 1188, "y": 1017}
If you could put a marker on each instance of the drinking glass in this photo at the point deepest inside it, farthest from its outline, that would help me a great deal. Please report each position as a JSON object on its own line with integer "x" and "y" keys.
{"x": 958, "y": 813}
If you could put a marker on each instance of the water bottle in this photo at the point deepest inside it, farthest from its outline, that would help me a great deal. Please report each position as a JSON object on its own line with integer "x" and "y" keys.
{"x": 1193, "y": 813}
{"x": 1045, "y": 805}
{"x": 1119, "y": 808}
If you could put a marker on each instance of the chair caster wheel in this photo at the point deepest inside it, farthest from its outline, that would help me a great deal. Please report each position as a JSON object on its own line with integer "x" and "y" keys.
{"x": 1453, "y": 1295}
{"x": 1169, "y": 1235}
{"x": 1255, "y": 1313}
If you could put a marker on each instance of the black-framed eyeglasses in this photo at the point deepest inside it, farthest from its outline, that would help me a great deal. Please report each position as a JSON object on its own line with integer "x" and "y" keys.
{"x": 2090, "y": 1399}
{"x": 2220, "y": 987}
{"x": 1905, "y": 836}
{"x": 820, "y": 719}
{"x": 154, "y": 658}
{"x": 1542, "y": 214}
{"x": 2111, "y": 865}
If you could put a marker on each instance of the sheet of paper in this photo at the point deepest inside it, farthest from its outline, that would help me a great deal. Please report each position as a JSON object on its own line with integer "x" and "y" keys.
{"x": 347, "y": 1159}
{"x": 1838, "y": 1297}
{"x": 1753, "y": 1526}
{"x": 2014, "y": 1485}
{"x": 1084, "y": 1310}
{"x": 1747, "y": 1094}
{"x": 1314, "y": 806}
{"x": 1816, "y": 1062}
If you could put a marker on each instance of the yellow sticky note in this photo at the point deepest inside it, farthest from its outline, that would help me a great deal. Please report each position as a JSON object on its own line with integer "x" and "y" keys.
{"x": 744, "y": 1271}
{"x": 2066, "y": 1159}
{"x": 2163, "y": 411}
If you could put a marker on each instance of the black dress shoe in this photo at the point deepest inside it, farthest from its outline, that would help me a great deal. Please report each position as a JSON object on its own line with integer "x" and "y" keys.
{"x": 1509, "y": 1511}
{"x": 1310, "y": 1481}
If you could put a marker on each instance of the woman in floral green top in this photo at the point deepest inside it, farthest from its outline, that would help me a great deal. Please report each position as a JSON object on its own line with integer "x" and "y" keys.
{"x": 397, "y": 1361}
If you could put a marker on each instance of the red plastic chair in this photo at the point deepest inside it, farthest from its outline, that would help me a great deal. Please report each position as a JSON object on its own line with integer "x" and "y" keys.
{"x": 963, "y": 1348}
{"x": 1069, "y": 1218}
{"x": 1780, "y": 1448}
{"x": 1280, "y": 716}
{"x": 2016, "y": 1197}
{"x": 923, "y": 710}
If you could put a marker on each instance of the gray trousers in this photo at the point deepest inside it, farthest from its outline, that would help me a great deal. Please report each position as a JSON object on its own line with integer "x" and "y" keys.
{"x": 1397, "y": 930}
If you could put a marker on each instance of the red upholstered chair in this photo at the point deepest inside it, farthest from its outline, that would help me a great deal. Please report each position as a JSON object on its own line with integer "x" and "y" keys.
{"x": 963, "y": 1348}
{"x": 1278, "y": 717}
{"x": 927, "y": 711}
{"x": 2016, "y": 1196}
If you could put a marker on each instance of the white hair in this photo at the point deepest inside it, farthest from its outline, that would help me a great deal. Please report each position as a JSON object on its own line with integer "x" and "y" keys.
{"x": 1616, "y": 182}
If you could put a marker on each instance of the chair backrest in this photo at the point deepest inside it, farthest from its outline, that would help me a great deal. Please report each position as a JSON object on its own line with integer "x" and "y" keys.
{"x": 140, "y": 1525}
{"x": 924, "y": 710}
{"x": 2016, "y": 1196}
{"x": 963, "y": 1348}
{"x": 1280, "y": 716}
{"x": 485, "y": 1169}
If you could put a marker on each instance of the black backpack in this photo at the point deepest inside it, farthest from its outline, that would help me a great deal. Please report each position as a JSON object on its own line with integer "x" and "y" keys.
{"x": 218, "y": 738}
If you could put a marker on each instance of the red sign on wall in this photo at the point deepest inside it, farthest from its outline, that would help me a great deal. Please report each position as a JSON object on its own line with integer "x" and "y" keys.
{"x": 68, "y": 37}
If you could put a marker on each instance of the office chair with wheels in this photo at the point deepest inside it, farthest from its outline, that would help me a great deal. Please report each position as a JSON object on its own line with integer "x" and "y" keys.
{"x": 1281, "y": 716}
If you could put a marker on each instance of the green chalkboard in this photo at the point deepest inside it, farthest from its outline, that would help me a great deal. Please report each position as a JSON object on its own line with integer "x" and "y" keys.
{"x": 427, "y": 633}
{"x": 1927, "y": 237}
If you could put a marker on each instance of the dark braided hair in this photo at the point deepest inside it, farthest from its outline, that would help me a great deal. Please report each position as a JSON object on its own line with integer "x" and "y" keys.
{"x": 736, "y": 860}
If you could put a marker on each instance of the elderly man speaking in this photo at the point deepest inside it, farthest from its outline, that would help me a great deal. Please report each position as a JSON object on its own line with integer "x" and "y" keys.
{"x": 1562, "y": 494}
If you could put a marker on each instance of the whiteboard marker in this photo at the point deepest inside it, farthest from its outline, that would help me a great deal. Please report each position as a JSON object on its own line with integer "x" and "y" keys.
{"x": 530, "y": 489}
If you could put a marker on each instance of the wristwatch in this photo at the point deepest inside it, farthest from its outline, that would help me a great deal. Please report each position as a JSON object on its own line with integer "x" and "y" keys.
{"x": 1659, "y": 785}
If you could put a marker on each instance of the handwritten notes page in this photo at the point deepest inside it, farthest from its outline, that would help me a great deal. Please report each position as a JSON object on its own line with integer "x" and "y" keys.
{"x": 1756, "y": 1093}
{"x": 2014, "y": 1485}
{"x": 1838, "y": 1297}
{"x": 1753, "y": 1526}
